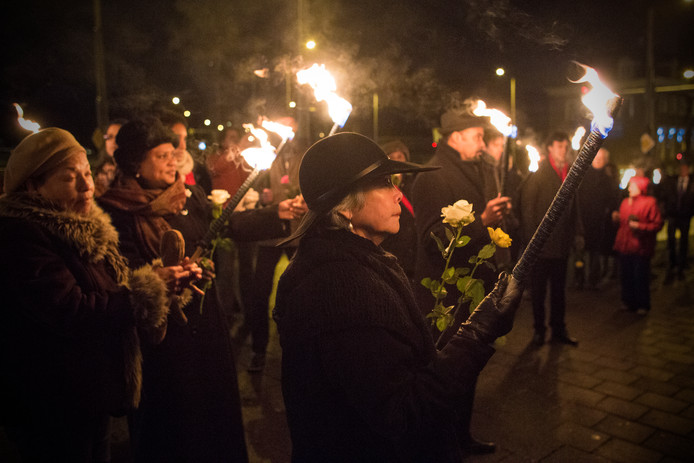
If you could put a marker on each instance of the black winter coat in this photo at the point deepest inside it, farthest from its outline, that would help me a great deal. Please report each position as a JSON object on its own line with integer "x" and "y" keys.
{"x": 190, "y": 408}
{"x": 536, "y": 195}
{"x": 361, "y": 378}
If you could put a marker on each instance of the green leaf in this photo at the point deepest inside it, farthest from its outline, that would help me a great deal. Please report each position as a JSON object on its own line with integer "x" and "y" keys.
{"x": 462, "y": 284}
{"x": 426, "y": 282}
{"x": 462, "y": 241}
{"x": 472, "y": 260}
{"x": 449, "y": 234}
{"x": 487, "y": 251}
{"x": 441, "y": 323}
{"x": 462, "y": 271}
{"x": 449, "y": 275}
{"x": 476, "y": 291}
{"x": 439, "y": 244}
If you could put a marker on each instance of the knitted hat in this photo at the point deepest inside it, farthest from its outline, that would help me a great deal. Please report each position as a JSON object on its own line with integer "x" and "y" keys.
{"x": 454, "y": 120}
{"x": 137, "y": 137}
{"x": 334, "y": 165}
{"x": 37, "y": 154}
{"x": 396, "y": 145}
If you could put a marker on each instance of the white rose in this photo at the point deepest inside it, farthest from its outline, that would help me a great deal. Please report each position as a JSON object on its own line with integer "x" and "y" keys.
{"x": 458, "y": 214}
{"x": 219, "y": 197}
{"x": 249, "y": 200}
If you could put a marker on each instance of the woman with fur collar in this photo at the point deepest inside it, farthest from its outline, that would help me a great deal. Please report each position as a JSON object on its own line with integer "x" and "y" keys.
{"x": 72, "y": 310}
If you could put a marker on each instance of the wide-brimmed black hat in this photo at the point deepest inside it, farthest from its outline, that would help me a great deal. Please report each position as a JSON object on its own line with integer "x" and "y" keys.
{"x": 333, "y": 166}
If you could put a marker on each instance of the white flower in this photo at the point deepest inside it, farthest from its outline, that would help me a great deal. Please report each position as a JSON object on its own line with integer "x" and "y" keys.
{"x": 249, "y": 200}
{"x": 219, "y": 197}
{"x": 458, "y": 214}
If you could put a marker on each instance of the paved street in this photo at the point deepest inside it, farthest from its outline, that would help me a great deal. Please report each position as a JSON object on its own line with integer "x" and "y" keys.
{"x": 625, "y": 394}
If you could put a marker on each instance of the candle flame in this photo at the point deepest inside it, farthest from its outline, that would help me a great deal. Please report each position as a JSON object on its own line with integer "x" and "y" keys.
{"x": 534, "y": 157}
{"x": 259, "y": 157}
{"x": 24, "y": 123}
{"x": 596, "y": 100}
{"x": 324, "y": 89}
{"x": 578, "y": 136}
{"x": 498, "y": 119}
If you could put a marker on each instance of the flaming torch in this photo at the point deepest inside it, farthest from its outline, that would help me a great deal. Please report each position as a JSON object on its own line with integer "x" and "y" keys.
{"x": 578, "y": 136}
{"x": 324, "y": 88}
{"x": 260, "y": 158}
{"x": 502, "y": 123}
{"x": 604, "y": 104}
{"x": 534, "y": 157}
{"x": 24, "y": 123}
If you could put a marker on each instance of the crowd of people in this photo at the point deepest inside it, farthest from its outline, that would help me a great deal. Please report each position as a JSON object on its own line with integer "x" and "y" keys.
{"x": 101, "y": 321}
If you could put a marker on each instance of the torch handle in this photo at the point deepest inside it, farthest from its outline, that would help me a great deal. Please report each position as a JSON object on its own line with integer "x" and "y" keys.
{"x": 561, "y": 201}
{"x": 218, "y": 223}
{"x": 334, "y": 129}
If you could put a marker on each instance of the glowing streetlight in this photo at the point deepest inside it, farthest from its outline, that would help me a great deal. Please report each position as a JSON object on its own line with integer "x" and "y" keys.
{"x": 175, "y": 100}
{"x": 688, "y": 73}
{"x": 311, "y": 44}
{"x": 207, "y": 122}
{"x": 500, "y": 72}
{"x": 292, "y": 104}
{"x": 220, "y": 127}
{"x": 186, "y": 113}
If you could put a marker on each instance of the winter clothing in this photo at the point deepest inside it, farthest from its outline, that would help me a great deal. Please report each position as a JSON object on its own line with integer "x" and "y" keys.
{"x": 69, "y": 347}
{"x": 678, "y": 205}
{"x": 641, "y": 241}
{"x": 190, "y": 408}
{"x": 37, "y": 154}
{"x": 361, "y": 378}
{"x": 455, "y": 120}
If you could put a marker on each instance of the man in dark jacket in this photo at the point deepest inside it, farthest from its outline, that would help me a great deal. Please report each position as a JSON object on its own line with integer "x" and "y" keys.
{"x": 464, "y": 175}
{"x": 536, "y": 195}
{"x": 678, "y": 198}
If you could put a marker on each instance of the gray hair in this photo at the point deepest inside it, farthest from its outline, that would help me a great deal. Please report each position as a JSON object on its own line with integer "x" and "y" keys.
{"x": 354, "y": 201}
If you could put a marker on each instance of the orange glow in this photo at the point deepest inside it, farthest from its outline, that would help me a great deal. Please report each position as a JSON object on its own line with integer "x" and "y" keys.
{"x": 259, "y": 157}
{"x": 24, "y": 123}
{"x": 534, "y": 157}
{"x": 284, "y": 131}
{"x": 578, "y": 136}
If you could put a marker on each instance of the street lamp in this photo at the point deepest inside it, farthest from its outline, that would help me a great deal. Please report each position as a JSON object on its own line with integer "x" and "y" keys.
{"x": 512, "y": 81}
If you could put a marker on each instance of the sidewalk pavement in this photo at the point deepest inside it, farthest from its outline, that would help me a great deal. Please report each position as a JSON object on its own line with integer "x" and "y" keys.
{"x": 625, "y": 394}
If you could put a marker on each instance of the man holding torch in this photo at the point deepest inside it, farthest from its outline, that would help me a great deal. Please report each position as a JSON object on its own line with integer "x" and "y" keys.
{"x": 464, "y": 175}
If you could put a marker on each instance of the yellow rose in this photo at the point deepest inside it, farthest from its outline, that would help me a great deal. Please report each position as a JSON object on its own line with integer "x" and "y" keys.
{"x": 219, "y": 197}
{"x": 500, "y": 238}
{"x": 458, "y": 214}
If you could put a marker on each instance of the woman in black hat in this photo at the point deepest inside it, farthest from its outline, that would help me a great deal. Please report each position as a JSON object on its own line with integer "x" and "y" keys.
{"x": 361, "y": 378}
{"x": 190, "y": 409}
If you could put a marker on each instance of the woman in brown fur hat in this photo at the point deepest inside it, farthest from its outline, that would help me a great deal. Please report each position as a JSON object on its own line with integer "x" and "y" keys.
{"x": 72, "y": 311}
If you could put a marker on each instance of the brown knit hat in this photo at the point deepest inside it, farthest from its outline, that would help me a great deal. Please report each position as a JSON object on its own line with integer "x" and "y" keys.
{"x": 37, "y": 154}
{"x": 454, "y": 120}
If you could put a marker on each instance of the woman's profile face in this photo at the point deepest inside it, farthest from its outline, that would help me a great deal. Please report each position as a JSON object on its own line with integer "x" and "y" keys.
{"x": 158, "y": 169}
{"x": 380, "y": 215}
{"x": 69, "y": 185}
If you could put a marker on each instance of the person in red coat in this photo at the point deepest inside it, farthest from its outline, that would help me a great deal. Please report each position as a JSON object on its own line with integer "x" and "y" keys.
{"x": 639, "y": 221}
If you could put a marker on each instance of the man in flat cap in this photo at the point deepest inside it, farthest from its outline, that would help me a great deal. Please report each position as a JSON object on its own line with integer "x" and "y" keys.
{"x": 464, "y": 175}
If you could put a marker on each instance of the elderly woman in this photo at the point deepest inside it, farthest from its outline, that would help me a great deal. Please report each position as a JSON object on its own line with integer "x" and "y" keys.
{"x": 361, "y": 378}
{"x": 639, "y": 221}
{"x": 190, "y": 408}
{"x": 69, "y": 344}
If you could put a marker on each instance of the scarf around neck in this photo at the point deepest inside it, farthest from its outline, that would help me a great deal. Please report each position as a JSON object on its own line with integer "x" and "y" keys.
{"x": 149, "y": 207}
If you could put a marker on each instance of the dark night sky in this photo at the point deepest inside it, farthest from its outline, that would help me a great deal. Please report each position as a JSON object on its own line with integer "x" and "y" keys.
{"x": 408, "y": 51}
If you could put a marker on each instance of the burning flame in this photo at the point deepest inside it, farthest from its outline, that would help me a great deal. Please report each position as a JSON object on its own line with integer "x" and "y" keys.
{"x": 534, "y": 156}
{"x": 626, "y": 177}
{"x": 324, "y": 89}
{"x": 259, "y": 157}
{"x": 578, "y": 136}
{"x": 498, "y": 119}
{"x": 284, "y": 131}
{"x": 596, "y": 100}
{"x": 24, "y": 123}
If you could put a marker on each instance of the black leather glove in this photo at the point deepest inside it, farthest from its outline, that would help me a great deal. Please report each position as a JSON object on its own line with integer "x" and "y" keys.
{"x": 493, "y": 317}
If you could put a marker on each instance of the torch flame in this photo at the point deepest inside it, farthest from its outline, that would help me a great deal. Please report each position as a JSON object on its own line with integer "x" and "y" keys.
{"x": 534, "y": 156}
{"x": 578, "y": 136}
{"x": 259, "y": 157}
{"x": 324, "y": 88}
{"x": 596, "y": 100}
{"x": 284, "y": 131}
{"x": 498, "y": 119}
{"x": 628, "y": 173}
{"x": 24, "y": 123}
